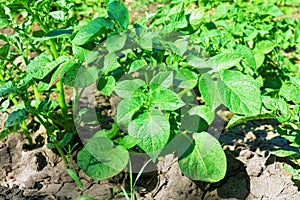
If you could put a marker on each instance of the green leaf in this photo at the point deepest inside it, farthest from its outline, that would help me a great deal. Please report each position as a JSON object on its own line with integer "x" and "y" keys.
{"x": 165, "y": 99}
{"x": 209, "y": 91}
{"x": 58, "y": 15}
{"x": 110, "y": 63}
{"x": 240, "y": 93}
{"x": 4, "y": 133}
{"x": 199, "y": 62}
{"x": 7, "y": 89}
{"x": 238, "y": 119}
{"x": 284, "y": 153}
{"x": 59, "y": 33}
{"x": 290, "y": 92}
{"x": 16, "y": 117}
{"x": 151, "y": 132}
{"x": 274, "y": 11}
{"x": 205, "y": 160}
{"x": 86, "y": 76}
{"x": 203, "y": 112}
{"x": 248, "y": 56}
{"x": 137, "y": 64}
{"x": 4, "y": 51}
{"x": 293, "y": 171}
{"x": 226, "y": 60}
{"x": 86, "y": 198}
{"x": 71, "y": 74}
{"x": 199, "y": 117}
{"x": 100, "y": 160}
{"x": 259, "y": 58}
{"x": 146, "y": 42}
{"x": 75, "y": 177}
{"x": 115, "y": 42}
{"x": 92, "y": 30}
{"x": 196, "y": 17}
{"x": 265, "y": 46}
{"x": 164, "y": 79}
{"x": 42, "y": 65}
{"x": 126, "y": 109}
{"x": 61, "y": 71}
{"x": 106, "y": 85}
{"x": 127, "y": 141}
{"x": 84, "y": 54}
{"x": 128, "y": 88}
{"x": 185, "y": 78}
{"x": 176, "y": 17}
{"x": 118, "y": 12}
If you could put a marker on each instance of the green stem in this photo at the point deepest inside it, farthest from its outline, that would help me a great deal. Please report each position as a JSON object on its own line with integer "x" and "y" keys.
{"x": 1, "y": 77}
{"x": 180, "y": 94}
{"x": 36, "y": 92}
{"x": 53, "y": 49}
{"x": 61, "y": 99}
{"x": 26, "y": 132}
{"x": 61, "y": 153}
{"x": 59, "y": 85}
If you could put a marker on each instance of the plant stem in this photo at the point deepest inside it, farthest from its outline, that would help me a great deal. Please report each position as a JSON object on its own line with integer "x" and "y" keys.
{"x": 61, "y": 99}
{"x": 59, "y": 85}
{"x": 61, "y": 153}
{"x": 36, "y": 92}
{"x": 1, "y": 76}
{"x": 180, "y": 94}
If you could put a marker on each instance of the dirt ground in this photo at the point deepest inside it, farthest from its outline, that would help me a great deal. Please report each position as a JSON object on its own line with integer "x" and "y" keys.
{"x": 252, "y": 173}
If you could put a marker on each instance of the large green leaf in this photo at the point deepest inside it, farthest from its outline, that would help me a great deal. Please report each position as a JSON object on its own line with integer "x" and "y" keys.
{"x": 238, "y": 119}
{"x": 59, "y": 33}
{"x": 151, "y": 131}
{"x": 196, "y": 17}
{"x": 4, "y": 51}
{"x": 290, "y": 92}
{"x": 259, "y": 58}
{"x": 185, "y": 78}
{"x": 126, "y": 109}
{"x": 117, "y": 11}
{"x": 42, "y": 65}
{"x": 115, "y": 42}
{"x": 84, "y": 54}
{"x": 7, "y": 89}
{"x": 128, "y": 88}
{"x": 164, "y": 79}
{"x": 209, "y": 91}
{"x": 226, "y": 60}
{"x": 99, "y": 159}
{"x": 240, "y": 93}
{"x": 198, "y": 118}
{"x": 86, "y": 76}
{"x": 165, "y": 98}
{"x": 61, "y": 71}
{"x": 205, "y": 160}
{"x": 16, "y": 117}
{"x": 110, "y": 63}
{"x": 265, "y": 46}
{"x": 92, "y": 30}
{"x": 106, "y": 85}
{"x": 137, "y": 64}
{"x": 248, "y": 56}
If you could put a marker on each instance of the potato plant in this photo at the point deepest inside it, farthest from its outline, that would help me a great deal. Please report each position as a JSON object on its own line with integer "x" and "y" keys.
{"x": 171, "y": 76}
